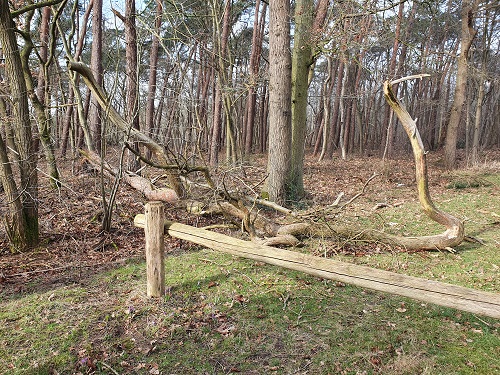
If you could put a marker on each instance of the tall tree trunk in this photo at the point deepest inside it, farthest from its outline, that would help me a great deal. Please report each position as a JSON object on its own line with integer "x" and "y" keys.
{"x": 153, "y": 67}
{"x": 132, "y": 110}
{"x": 308, "y": 25}
{"x": 220, "y": 59}
{"x": 38, "y": 96}
{"x": 41, "y": 115}
{"x": 342, "y": 111}
{"x": 257, "y": 39}
{"x": 328, "y": 85}
{"x": 43, "y": 53}
{"x": 388, "y": 117}
{"x": 97, "y": 69}
{"x": 301, "y": 63}
{"x": 467, "y": 35}
{"x": 66, "y": 126}
{"x": 82, "y": 134}
{"x": 204, "y": 75}
{"x": 23, "y": 226}
{"x": 485, "y": 45}
{"x": 263, "y": 121}
{"x": 278, "y": 164}
{"x": 333, "y": 132}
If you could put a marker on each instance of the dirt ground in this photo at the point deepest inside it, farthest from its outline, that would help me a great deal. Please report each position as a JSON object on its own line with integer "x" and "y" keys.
{"x": 73, "y": 245}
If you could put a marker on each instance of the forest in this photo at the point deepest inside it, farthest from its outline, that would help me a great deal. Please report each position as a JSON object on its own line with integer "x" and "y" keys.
{"x": 318, "y": 125}
{"x": 191, "y": 83}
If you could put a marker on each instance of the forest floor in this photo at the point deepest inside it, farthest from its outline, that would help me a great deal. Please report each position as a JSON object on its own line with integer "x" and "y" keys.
{"x": 82, "y": 290}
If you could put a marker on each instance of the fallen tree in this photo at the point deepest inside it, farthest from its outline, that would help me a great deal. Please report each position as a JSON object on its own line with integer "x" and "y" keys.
{"x": 242, "y": 207}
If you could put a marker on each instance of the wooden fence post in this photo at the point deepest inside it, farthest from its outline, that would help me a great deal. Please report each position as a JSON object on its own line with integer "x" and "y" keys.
{"x": 155, "y": 265}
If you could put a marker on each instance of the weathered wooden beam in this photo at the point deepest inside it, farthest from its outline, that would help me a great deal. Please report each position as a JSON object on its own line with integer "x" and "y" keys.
{"x": 465, "y": 299}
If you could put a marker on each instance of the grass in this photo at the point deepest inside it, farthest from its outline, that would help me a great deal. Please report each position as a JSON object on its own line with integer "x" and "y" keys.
{"x": 224, "y": 315}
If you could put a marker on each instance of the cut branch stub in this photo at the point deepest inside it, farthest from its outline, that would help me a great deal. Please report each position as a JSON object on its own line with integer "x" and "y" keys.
{"x": 454, "y": 233}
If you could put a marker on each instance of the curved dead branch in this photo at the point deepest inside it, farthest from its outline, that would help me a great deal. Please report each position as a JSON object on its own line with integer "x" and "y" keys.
{"x": 454, "y": 233}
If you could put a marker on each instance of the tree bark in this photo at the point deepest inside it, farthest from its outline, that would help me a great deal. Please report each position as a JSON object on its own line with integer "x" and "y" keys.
{"x": 388, "y": 118}
{"x": 467, "y": 36}
{"x": 24, "y": 233}
{"x": 254, "y": 71}
{"x": 301, "y": 63}
{"x": 97, "y": 69}
{"x": 278, "y": 165}
{"x": 132, "y": 110}
{"x": 75, "y": 93}
{"x": 153, "y": 67}
{"x": 37, "y": 98}
{"x": 220, "y": 101}
{"x": 333, "y": 131}
{"x": 308, "y": 26}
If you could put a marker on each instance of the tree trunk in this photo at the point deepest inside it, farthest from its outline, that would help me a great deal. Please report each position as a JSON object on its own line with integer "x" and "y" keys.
{"x": 486, "y": 45}
{"x": 82, "y": 108}
{"x": 222, "y": 80}
{"x": 278, "y": 164}
{"x": 97, "y": 69}
{"x": 301, "y": 63}
{"x": 153, "y": 67}
{"x": 132, "y": 110}
{"x": 66, "y": 127}
{"x": 24, "y": 232}
{"x": 328, "y": 86}
{"x": 257, "y": 39}
{"x": 37, "y": 99}
{"x": 309, "y": 23}
{"x": 333, "y": 126}
{"x": 467, "y": 35}
{"x": 263, "y": 121}
{"x": 477, "y": 124}
{"x": 388, "y": 118}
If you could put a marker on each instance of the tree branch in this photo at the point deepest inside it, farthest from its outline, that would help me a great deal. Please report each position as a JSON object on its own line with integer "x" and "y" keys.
{"x": 454, "y": 233}
{"x": 30, "y": 7}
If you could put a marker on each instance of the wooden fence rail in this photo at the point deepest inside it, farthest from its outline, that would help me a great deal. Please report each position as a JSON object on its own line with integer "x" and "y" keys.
{"x": 465, "y": 299}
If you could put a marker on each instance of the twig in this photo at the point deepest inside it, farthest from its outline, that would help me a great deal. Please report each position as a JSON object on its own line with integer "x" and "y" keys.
{"x": 273, "y": 205}
{"x": 415, "y": 76}
{"x": 219, "y": 226}
{"x": 109, "y": 368}
{"x": 244, "y": 275}
{"x": 337, "y": 200}
{"x": 361, "y": 192}
{"x": 185, "y": 168}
